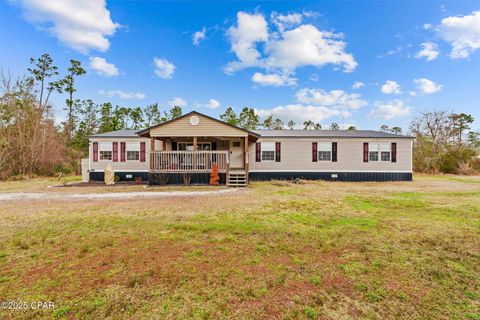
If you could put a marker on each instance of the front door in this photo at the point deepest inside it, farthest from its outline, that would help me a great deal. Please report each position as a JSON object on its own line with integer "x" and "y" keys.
{"x": 236, "y": 154}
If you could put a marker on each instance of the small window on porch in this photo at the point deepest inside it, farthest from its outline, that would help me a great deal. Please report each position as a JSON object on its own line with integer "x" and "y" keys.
{"x": 236, "y": 144}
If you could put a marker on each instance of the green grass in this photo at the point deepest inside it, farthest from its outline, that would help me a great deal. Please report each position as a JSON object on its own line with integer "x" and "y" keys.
{"x": 277, "y": 251}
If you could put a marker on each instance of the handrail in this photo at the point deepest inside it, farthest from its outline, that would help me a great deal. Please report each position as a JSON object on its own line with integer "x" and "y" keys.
{"x": 188, "y": 161}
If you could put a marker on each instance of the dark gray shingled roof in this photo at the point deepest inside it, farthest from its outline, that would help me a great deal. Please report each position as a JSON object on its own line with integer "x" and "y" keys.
{"x": 327, "y": 134}
{"x": 117, "y": 134}
{"x": 282, "y": 134}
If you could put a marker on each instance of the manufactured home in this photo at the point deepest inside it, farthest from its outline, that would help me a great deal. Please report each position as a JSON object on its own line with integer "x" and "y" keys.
{"x": 191, "y": 145}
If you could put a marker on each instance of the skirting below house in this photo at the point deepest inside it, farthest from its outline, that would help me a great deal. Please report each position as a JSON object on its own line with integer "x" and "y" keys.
{"x": 179, "y": 178}
{"x": 331, "y": 176}
{"x": 120, "y": 175}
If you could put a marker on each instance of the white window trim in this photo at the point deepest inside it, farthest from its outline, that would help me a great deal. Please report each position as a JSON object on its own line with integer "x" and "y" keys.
{"x": 262, "y": 149}
{"x": 133, "y": 145}
{"x": 324, "y": 149}
{"x": 379, "y": 148}
{"x": 105, "y": 146}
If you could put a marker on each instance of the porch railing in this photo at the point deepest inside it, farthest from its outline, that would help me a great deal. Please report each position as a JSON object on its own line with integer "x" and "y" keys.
{"x": 188, "y": 161}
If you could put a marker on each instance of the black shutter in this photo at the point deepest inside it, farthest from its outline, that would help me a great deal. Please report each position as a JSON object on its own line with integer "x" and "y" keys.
{"x": 214, "y": 145}
{"x": 334, "y": 152}
{"x": 258, "y": 152}
{"x": 394, "y": 152}
{"x": 174, "y": 145}
{"x": 314, "y": 152}
{"x": 277, "y": 151}
{"x": 365, "y": 152}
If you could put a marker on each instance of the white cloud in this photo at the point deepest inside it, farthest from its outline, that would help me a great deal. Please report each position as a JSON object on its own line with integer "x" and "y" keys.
{"x": 213, "y": 104}
{"x": 306, "y": 45}
{"x": 163, "y": 68}
{"x": 123, "y": 95}
{"x": 429, "y": 51}
{"x": 358, "y": 85}
{"x": 412, "y": 93}
{"x": 177, "y": 102}
{"x": 287, "y": 21}
{"x": 300, "y": 113}
{"x": 102, "y": 67}
{"x": 274, "y": 80}
{"x": 250, "y": 29}
{"x": 286, "y": 49}
{"x": 427, "y": 86}
{"x": 427, "y": 26}
{"x": 79, "y": 25}
{"x": 391, "y": 87}
{"x": 199, "y": 36}
{"x": 335, "y": 98}
{"x": 463, "y": 33}
{"x": 389, "y": 110}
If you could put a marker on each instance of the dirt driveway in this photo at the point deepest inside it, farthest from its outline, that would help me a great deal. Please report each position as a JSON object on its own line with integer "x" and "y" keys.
{"x": 19, "y": 196}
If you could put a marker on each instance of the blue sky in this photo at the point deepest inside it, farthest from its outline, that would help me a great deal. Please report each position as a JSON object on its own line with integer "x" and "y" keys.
{"x": 295, "y": 60}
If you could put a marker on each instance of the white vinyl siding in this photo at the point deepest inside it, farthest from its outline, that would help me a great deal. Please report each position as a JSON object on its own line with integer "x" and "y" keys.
{"x": 324, "y": 151}
{"x": 268, "y": 151}
{"x": 105, "y": 151}
{"x": 297, "y": 156}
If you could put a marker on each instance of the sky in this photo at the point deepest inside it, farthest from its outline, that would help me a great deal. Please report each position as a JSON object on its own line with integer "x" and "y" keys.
{"x": 362, "y": 63}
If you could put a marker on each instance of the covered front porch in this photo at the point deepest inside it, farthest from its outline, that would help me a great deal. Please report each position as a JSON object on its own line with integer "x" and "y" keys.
{"x": 194, "y": 145}
{"x": 198, "y": 154}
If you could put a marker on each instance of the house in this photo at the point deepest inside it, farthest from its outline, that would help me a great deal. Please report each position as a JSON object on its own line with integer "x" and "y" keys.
{"x": 187, "y": 147}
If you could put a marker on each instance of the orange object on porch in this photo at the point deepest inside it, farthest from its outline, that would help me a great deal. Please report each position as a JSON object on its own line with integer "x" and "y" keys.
{"x": 214, "y": 178}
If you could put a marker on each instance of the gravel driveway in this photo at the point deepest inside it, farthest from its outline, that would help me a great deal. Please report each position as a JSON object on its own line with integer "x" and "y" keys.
{"x": 15, "y": 196}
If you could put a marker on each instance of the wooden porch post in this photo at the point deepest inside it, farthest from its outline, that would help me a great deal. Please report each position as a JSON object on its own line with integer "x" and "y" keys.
{"x": 152, "y": 144}
{"x": 245, "y": 156}
{"x": 194, "y": 155}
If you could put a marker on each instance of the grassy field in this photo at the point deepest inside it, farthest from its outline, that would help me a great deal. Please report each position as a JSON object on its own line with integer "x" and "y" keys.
{"x": 318, "y": 250}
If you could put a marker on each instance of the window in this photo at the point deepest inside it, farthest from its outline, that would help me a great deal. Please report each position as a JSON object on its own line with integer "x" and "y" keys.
{"x": 385, "y": 156}
{"x": 379, "y": 149}
{"x": 236, "y": 144}
{"x": 133, "y": 155}
{"x": 373, "y": 156}
{"x": 268, "y": 151}
{"x": 105, "y": 151}
{"x": 324, "y": 151}
{"x": 184, "y": 146}
{"x": 133, "y": 151}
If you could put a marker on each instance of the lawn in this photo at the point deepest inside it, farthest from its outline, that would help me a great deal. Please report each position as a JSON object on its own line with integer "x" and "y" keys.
{"x": 316, "y": 250}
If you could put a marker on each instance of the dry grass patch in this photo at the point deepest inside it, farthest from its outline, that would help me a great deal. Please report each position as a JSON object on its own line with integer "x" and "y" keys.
{"x": 319, "y": 250}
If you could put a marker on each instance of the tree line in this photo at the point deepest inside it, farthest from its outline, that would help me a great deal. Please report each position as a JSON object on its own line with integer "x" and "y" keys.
{"x": 32, "y": 143}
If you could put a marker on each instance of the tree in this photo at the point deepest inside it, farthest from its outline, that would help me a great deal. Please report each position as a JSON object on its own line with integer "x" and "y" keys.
{"x": 173, "y": 113}
{"x": 460, "y": 123}
{"x": 268, "y": 122}
{"x": 136, "y": 117}
{"x": 248, "y": 119}
{"x": 334, "y": 126}
{"x": 87, "y": 125}
{"x": 352, "y": 128}
{"x": 291, "y": 124}
{"x": 152, "y": 115}
{"x": 384, "y": 128}
{"x": 278, "y": 124}
{"x": 396, "y": 130}
{"x": 68, "y": 82}
{"x": 42, "y": 70}
{"x": 229, "y": 116}
{"x": 310, "y": 125}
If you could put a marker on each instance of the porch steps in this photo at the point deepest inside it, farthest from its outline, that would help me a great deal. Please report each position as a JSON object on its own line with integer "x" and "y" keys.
{"x": 237, "y": 179}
